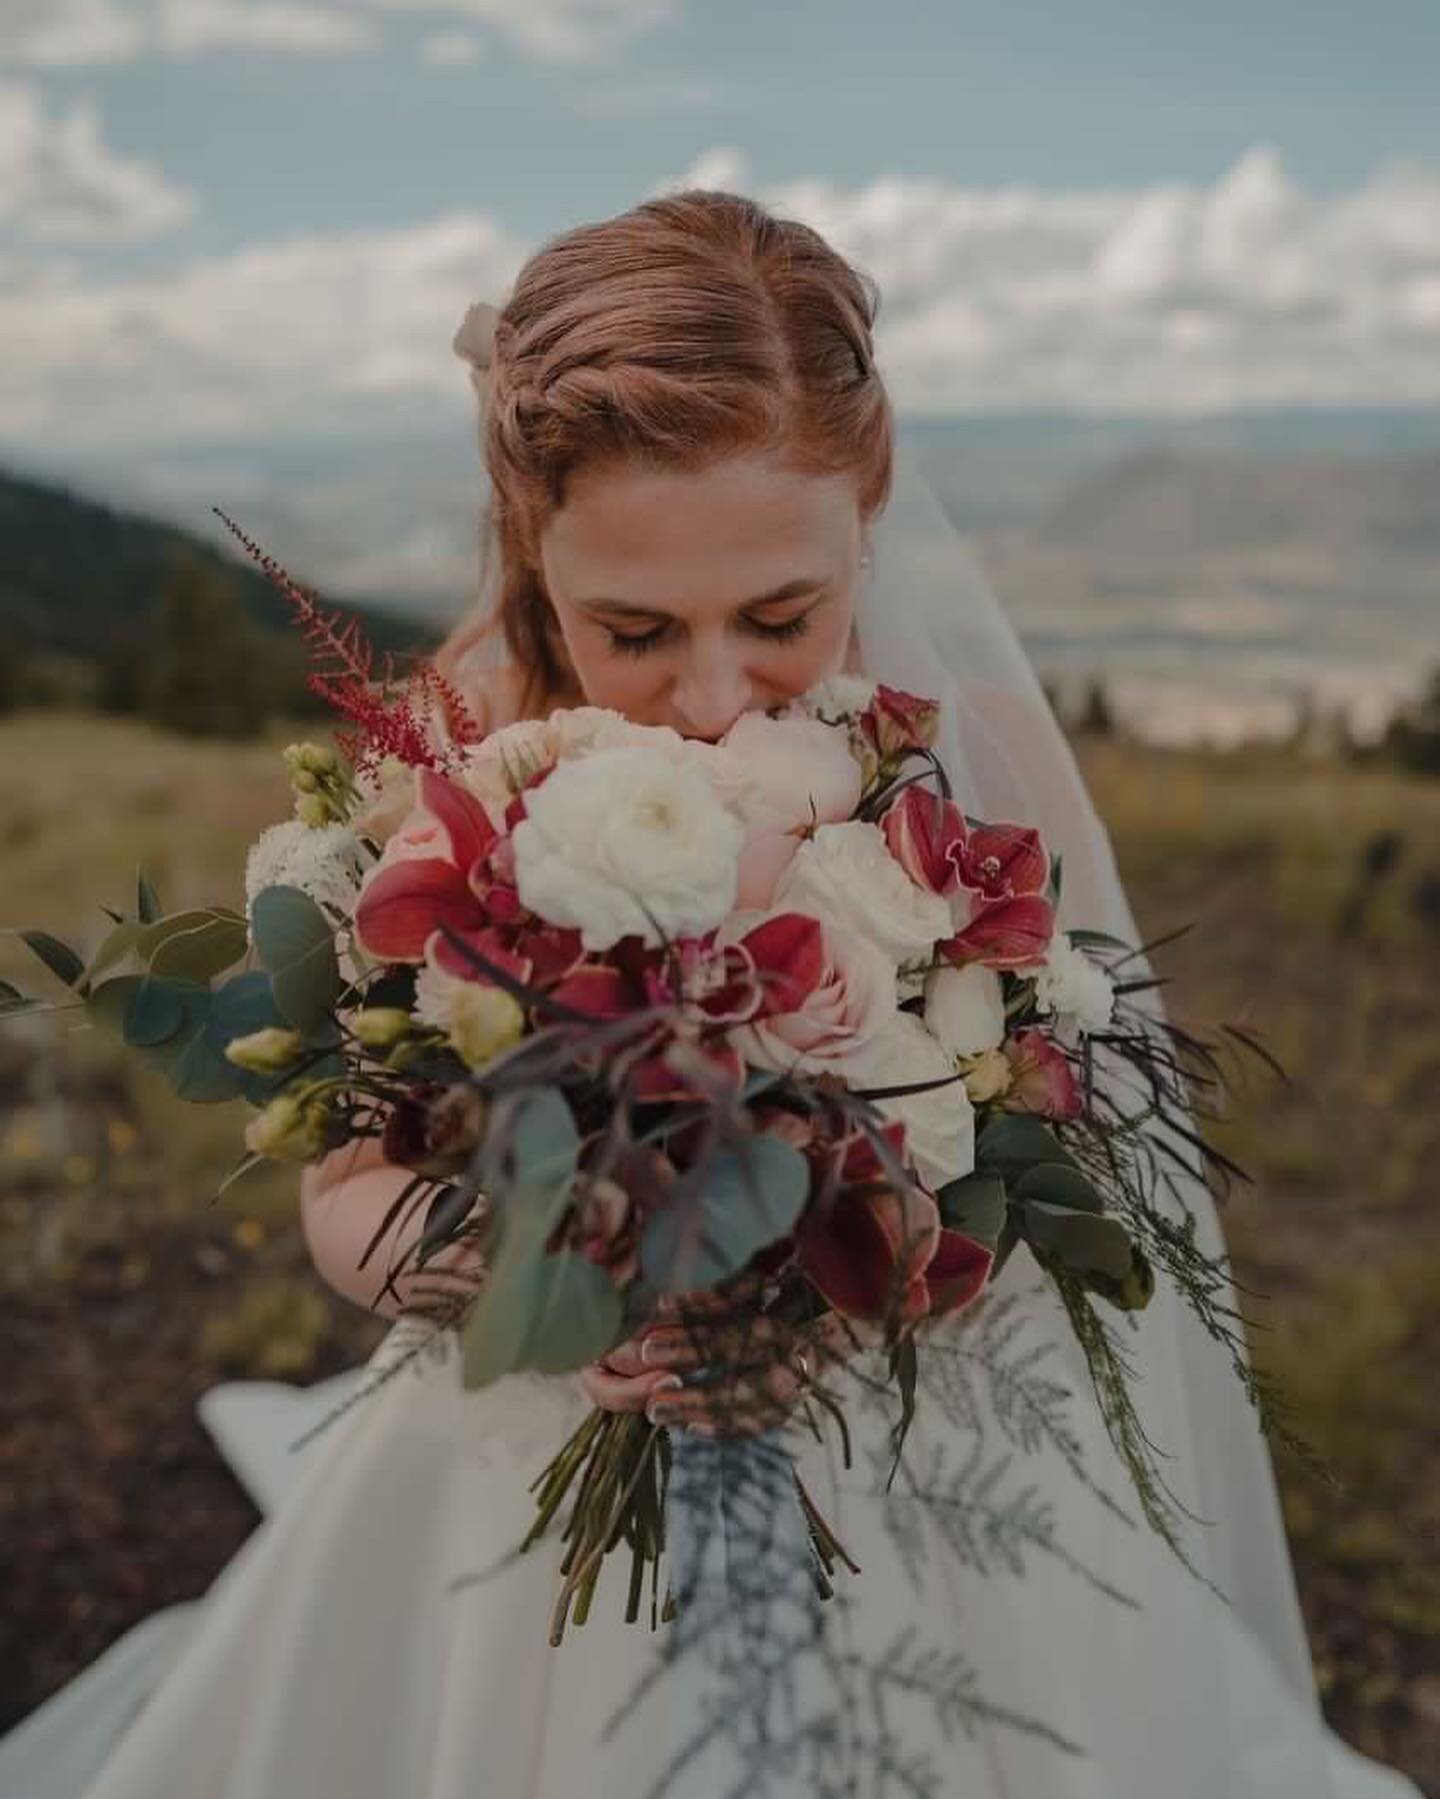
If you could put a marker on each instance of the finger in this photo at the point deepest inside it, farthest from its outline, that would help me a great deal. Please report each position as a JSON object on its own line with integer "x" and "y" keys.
{"x": 756, "y": 1398}
{"x": 719, "y": 1340}
{"x": 619, "y": 1392}
{"x": 626, "y": 1358}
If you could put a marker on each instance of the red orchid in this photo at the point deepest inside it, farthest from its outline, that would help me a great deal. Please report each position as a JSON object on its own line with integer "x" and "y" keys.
{"x": 1042, "y": 1080}
{"x": 994, "y": 876}
{"x": 879, "y": 1252}
{"x": 409, "y": 903}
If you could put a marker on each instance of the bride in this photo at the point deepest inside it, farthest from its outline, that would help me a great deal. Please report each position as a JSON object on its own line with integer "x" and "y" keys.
{"x": 697, "y": 510}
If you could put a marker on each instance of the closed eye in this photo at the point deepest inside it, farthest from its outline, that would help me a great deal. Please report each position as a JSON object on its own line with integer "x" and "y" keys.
{"x": 633, "y": 644}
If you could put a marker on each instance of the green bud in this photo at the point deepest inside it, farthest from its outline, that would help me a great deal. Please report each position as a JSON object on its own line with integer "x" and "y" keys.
{"x": 265, "y": 1052}
{"x": 290, "y": 1129}
{"x": 381, "y": 1027}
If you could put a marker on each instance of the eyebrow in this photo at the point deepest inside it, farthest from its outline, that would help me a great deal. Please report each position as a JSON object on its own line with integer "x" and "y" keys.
{"x": 788, "y": 590}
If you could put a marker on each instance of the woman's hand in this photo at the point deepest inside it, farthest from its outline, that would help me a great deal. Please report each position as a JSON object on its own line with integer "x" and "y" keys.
{"x": 756, "y": 1367}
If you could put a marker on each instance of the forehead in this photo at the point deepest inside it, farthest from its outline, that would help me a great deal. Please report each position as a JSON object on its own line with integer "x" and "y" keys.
{"x": 728, "y": 531}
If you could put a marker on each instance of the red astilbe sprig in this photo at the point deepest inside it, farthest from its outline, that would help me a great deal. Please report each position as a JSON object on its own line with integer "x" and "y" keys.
{"x": 389, "y": 715}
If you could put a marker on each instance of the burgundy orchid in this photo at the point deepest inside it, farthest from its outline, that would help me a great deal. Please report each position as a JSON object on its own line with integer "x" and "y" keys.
{"x": 994, "y": 876}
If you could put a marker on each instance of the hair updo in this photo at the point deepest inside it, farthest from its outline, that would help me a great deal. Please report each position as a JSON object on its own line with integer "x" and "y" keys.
{"x": 692, "y": 327}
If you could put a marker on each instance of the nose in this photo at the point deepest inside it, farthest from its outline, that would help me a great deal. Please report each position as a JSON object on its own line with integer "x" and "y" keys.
{"x": 711, "y": 693}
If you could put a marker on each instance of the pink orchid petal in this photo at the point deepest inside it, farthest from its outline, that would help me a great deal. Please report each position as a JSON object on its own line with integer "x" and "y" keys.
{"x": 927, "y": 836}
{"x": 788, "y": 952}
{"x": 486, "y": 942}
{"x": 403, "y": 905}
{"x": 1013, "y": 933}
{"x": 599, "y": 992}
{"x": 1006, "y": 859}
{"x": 464, "y": 820}
{"x": 957, "y": 1272}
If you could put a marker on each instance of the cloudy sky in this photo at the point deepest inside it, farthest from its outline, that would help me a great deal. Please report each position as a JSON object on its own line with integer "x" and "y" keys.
{"x": 246, "y": 229}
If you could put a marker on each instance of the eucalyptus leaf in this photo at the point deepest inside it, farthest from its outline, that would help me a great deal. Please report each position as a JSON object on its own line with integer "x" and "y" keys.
{"x": 1059, "y": 1184}
{"x": 532, "y": 1182}
{"x": 552, "y": 1313}
{"x": 58, "y": 957}
{"x": 751, "y": 1196}
{"x": 1084, "y": 1243}
{"x": 115, "y": 954}
{"x": 1014, "y": 1141}
{"x": 296, "y": 942}
{"x": 158, "y": 1011}
{"x": 193, "y": 946}
{"x": 976, "y": 1205}
{"x": 168, "y": 1022}
{"x": 545, "y": 1148}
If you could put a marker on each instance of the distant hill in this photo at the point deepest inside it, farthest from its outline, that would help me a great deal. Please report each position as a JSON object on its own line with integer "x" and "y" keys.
{"x": 1179, "y": 503}
{"x": 78, "y": 576}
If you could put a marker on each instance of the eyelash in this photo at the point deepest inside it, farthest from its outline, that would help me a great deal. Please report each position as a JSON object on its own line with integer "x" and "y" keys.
{"x": 642, "y": 646}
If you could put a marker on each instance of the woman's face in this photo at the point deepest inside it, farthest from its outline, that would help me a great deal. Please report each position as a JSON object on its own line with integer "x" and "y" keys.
{"x": 685, "y": 599}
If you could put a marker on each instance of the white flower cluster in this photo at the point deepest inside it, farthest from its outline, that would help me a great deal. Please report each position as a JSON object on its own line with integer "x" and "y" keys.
{"x": 1073, "y": 985}
{"x": 325, "y": 861}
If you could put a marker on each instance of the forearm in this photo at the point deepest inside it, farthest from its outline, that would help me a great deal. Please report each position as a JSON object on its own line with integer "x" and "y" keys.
{"x": 344, "y": 1202}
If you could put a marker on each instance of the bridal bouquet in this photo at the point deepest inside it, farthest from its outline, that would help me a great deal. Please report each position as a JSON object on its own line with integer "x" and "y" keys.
{"x": 650, "y": 1020}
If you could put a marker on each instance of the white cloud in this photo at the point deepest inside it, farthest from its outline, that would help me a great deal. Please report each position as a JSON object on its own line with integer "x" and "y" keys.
{"x": 1166, "y": 298}
{"x": 195, "y": 27}
{"x": 68, "y": 33}
{"x": 60, "y": 180}
{"x": 348, "y": 332}
{"x": 451, "y": 49}
{"x": 1170, "y": 298}
{"x": 553, "y": 31}
{"x": 79, "y": 33}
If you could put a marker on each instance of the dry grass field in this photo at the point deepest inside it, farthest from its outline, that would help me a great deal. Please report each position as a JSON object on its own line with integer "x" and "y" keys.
{"x": 1313, "y": 889}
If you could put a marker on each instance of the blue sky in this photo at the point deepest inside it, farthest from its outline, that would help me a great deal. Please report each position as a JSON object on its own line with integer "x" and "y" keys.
{"x": 1095, "y": 95}
{"x": 235, "y": 234}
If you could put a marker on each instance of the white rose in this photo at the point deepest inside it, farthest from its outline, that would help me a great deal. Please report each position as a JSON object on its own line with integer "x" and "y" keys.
{"x": 965, "y": 1009}
{"x": 628, "y": 842}
{"x": 496, "y": 769}
{"x": 842, "y": 696}
{"x": 581, "y": 730}
{"x": 1070, "y": 982}
{"x": 939, "y": 1124}
{"x": 845, "y": 872}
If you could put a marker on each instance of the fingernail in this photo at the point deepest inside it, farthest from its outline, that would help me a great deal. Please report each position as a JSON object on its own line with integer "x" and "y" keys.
{"x": 655, "y": 1409}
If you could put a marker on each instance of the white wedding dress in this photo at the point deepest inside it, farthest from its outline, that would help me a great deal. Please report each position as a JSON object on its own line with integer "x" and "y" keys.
{"x": 336, "y": 1657}
{"x": 1014, "y": 1633}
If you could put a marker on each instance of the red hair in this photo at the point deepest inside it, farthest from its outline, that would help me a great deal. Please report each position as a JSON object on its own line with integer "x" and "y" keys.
{"x": 692, "y": 327}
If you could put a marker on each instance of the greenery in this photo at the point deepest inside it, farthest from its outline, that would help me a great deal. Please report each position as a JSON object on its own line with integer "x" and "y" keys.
{"x": 101, "y": 607}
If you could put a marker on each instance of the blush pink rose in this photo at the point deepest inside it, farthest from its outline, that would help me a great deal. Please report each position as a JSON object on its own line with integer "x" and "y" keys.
{"x": 853, "y": 999}
{"x": 788, "y": 775}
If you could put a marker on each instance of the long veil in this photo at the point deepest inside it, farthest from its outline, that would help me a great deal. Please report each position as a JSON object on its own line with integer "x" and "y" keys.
{"x": 929, "y": 621}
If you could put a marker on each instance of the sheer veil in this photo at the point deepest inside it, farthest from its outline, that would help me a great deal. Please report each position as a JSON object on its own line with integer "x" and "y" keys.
{"x": 929, "y": 622}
